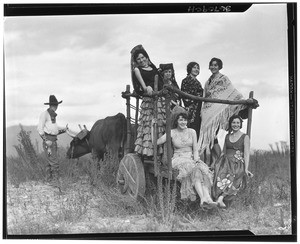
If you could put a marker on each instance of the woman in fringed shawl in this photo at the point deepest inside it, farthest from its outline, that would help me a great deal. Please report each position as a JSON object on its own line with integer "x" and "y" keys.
{"x": 231, "y": 168}
{"x": 215, "y": 116}
{"x": 144, "y": 73}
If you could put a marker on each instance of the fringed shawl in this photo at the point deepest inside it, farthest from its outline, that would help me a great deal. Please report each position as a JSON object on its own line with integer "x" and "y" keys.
{"x": 216, "y": 115}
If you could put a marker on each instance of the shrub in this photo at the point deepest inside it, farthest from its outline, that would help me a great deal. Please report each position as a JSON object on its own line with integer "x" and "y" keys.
{"x": 28, "y": 165}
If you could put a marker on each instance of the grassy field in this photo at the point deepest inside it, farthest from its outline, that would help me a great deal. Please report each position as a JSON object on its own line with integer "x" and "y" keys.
{"x": 87, "y": 200}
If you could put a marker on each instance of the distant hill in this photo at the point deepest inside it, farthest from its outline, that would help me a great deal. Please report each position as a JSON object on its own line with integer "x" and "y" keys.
{"x": 12, "y": 139}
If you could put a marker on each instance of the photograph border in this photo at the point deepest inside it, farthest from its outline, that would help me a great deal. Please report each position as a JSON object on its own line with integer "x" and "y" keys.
{"x": 13, "y": 10}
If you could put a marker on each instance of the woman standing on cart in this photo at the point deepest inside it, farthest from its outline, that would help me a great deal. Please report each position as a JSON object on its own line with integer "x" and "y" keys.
{"x": 144, "y": 73}
{"x": 215, "y": 116}
{"x": 192, "y": 86}
{"x": 167, "y": 74}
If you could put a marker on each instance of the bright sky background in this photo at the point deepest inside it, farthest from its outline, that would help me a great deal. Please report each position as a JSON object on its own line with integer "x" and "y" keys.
{"x": 85, "y": 61}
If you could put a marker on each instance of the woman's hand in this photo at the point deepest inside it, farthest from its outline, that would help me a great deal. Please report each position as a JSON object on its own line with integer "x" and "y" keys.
{"x": 149, "y": 90}
{"x": 248, "y": 173}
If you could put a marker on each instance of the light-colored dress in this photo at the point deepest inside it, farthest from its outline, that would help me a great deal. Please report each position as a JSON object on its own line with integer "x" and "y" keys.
{"x": 189, "y": 170}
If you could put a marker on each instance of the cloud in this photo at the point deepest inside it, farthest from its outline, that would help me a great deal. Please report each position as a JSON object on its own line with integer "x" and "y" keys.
{"x": 85, "y": 60}
{"x": 36, "y": 35}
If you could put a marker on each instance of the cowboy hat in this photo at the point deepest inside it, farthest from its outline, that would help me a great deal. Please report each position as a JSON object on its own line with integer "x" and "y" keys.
{"x": 52, "y": 101}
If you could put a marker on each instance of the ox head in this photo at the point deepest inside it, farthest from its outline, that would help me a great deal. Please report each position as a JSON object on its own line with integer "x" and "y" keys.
{"x": 79, "y": 146}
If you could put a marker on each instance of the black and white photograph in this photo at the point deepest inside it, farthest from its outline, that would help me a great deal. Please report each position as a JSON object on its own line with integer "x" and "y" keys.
{"x": 156, "y": 120}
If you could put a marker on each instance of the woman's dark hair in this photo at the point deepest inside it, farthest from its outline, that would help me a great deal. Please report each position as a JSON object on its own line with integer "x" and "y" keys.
{"x": 143, "y": 51}
{"x": 231, "y": 119}
{"x": 219, "y": 62}
{"x": 183, "y": 115}
{"x": 190, "y": 66}
{"x": 162, "y": 73}
{"x": 137, "y": 52}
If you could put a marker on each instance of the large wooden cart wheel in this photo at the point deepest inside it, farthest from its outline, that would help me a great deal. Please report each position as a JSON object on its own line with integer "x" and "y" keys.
{"x": 131, "y": 176}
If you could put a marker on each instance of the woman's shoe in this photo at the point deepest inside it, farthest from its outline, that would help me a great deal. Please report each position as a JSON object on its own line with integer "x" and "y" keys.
{"x": 209, "y": 205}
{"x": 212, "y": 204}
{"x": 221, "y": 205}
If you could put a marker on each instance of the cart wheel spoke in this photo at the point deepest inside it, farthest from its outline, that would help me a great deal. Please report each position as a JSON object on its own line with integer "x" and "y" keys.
{"x": 131, "y": 176}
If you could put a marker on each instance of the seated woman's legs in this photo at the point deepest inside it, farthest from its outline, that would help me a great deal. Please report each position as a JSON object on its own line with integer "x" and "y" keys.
{"x": 202, "y": 190}
{"x": 199, "y": 190}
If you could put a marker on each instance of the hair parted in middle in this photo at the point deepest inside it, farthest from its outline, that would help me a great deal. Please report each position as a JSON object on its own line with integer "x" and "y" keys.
{"x": 141, "y": 50}
{"x": 235, "y": 116}
{"x": 137, "y": 52}
{"x": 219, "y": 62}
{"x": 190, "y": 66}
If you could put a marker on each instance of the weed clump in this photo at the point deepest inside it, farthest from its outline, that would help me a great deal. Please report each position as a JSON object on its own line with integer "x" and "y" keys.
{"x": 28, "y": 165}
{"x": 265, "y": 201}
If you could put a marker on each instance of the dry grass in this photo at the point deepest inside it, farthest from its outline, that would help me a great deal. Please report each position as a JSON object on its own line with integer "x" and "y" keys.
{"x": 87, "y": 201}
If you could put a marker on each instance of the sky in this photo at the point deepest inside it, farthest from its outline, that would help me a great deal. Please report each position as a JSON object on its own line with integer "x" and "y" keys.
{"x": 85, "y": 61}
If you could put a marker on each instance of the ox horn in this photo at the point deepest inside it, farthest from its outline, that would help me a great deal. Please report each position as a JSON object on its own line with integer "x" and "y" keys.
{"x": 70, "y": 133}
{"x": 85, "y": 127}
{"x": 79, "y": 126}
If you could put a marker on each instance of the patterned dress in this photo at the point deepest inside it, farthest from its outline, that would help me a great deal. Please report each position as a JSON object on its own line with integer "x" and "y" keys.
{"x": 230, "y": 170}
{"x": 143, "y": 143}
{"x": 192, "y": 86}
{"x": 189, "y": 170}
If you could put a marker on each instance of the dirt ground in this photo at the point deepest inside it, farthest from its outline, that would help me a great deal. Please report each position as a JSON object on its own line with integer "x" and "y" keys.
{"x": 72, "y": 208}
{"x": 35, "y": 208}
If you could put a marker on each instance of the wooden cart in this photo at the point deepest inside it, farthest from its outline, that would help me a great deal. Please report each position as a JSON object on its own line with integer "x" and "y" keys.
{"x": 133, "y": 168}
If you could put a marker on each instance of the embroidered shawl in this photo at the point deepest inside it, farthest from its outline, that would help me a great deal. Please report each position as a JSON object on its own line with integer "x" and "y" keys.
{"x": 216, "y": 115}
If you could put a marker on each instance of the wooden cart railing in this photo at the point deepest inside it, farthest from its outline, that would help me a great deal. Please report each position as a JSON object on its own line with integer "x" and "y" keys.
{"x": 137, "y": 171}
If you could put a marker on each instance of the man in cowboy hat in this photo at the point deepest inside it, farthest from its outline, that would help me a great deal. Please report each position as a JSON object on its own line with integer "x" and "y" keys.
{"x": 48, "y": 130}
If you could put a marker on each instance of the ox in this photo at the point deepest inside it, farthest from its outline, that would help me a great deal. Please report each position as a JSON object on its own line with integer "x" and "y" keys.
{"x": 106, "y": 134}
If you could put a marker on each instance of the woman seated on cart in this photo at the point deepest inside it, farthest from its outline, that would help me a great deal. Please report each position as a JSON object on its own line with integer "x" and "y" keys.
{"x": 193, "y": 173}
{"x": 231, "y": 168}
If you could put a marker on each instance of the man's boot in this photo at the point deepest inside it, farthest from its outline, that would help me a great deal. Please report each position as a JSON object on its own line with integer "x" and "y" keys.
{"x": 49, "y": 175}
{"x": 56, "y": 178}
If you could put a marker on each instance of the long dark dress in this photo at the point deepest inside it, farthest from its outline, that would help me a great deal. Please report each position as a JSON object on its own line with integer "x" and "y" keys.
{"x": 143, "y": 143}
{"x": 229, "y": 176}
{"x": 192, "y": 86}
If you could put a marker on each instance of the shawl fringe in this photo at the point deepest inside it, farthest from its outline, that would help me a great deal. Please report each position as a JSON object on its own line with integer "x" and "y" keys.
{"x": 208, "y": 132}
